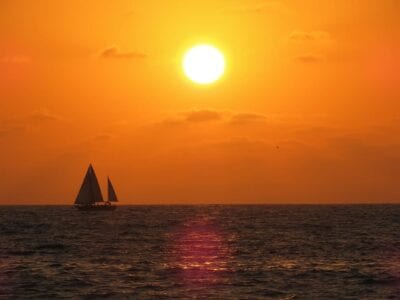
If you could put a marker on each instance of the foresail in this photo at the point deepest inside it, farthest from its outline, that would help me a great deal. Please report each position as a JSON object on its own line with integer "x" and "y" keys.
{"x": 89, "y": 192}
{"x": 112, "y": 196}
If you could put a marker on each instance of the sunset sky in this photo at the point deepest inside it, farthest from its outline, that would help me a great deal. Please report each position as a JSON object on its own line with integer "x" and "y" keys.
{"x": 308, "y": 110}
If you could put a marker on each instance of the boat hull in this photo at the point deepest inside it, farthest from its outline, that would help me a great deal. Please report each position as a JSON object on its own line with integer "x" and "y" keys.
{"x": 96, "y": 207}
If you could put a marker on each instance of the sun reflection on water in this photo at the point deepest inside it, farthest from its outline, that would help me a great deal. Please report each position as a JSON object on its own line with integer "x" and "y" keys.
{"x": 200, "y": 252}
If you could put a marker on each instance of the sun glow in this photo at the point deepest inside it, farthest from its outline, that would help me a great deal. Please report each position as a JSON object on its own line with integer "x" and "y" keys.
{"x": 204, "y": 64}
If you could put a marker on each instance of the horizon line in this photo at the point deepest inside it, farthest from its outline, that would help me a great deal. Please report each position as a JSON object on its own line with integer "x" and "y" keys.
{"x": 222, "y": 204}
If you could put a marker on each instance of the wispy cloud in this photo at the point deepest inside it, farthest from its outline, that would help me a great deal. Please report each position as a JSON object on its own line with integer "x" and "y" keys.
{"x": 44, "y": 114}
{"x": 309, "y": 36}
{"x": 9, "y": 130}
{"x": 15, "y": 59}
{"x": 257, "y": 8}
{"x": 192, "y": 117}
{"x": 115, "y": 52}
{"x": 212, "y": 115}
{"x": 309, "y": 58}
{"x": 311, "y": 47}
{"x": 103, "y": 137}
{"x": 203, "y": 116}
{"x": 246, "y": 118}
{"x": 18, "y": 124}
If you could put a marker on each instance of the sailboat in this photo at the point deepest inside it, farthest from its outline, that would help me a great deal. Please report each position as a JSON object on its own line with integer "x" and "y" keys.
{"x": 90, "y": 196}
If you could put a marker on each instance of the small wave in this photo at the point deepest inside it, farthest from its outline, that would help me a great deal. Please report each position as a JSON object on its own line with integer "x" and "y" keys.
{"x": 52, "y": 246}
{"x": 21, "y": 252}
{"x": 77, "y": 282}
{"x": 381, "y": 281}
{"x": 99, "y": 296}
{"x": 273, "y": 293}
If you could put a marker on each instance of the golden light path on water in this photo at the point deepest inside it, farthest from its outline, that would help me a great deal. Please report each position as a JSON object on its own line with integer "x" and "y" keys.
{"x": 200, "y": 253}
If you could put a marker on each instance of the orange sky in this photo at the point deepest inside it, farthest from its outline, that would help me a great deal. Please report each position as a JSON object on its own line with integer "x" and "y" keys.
{"x": 307, "y": 112}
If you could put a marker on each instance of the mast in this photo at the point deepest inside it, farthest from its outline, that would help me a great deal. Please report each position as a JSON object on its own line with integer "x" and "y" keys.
{"x": 89, "y": 192}
{"x": 112, "y": 196}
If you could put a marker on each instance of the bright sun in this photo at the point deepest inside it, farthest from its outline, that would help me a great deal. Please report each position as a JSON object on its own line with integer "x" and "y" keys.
{"x": 204, "y": 64}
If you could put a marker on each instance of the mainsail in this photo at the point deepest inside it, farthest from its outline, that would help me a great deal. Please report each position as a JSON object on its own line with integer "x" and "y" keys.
{"x": 112, "y": 196}
{"x": 90, "y": 192}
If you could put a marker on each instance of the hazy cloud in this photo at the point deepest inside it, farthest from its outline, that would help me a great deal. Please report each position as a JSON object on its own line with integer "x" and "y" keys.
{"x": 203, "y": 116}
{"x": 171, "y": 122}
{"x": 15, "y": 59}
{"x": 311, "y": 47}
{"x": 257, "y": 8}
{"x": 245, "y": 118}
{"x": 114, "y": 52}
{"x": 209, "y": 115}
{"x": 242, "y": 142}
{"x": 9, "y": 130}
{"x": 19, "y": 124}
{"x": 309, "y": 36}
{"x": 43, "y": 114}
{"x": 193, "y": 116}
{"x": 309, "y": 58}
{"x": 102, "y": 137}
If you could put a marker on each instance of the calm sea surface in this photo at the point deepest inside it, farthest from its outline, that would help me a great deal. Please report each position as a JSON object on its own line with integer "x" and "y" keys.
{"x": 201, "y": 252}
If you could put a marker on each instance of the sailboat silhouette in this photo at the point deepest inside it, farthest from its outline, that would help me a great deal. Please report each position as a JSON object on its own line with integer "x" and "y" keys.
{"x": 90, "y": 196}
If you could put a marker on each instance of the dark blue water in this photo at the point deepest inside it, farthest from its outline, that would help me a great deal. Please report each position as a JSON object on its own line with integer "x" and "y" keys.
{"x": 201, "y": 252}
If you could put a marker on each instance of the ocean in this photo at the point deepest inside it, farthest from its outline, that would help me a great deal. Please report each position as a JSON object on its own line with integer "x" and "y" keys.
{"x": 201, "y": 252}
